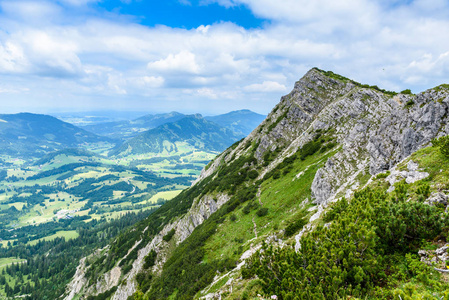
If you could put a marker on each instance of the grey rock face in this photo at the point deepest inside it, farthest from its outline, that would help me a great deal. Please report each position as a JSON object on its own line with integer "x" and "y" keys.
{"x": 410, "y": 176}
{"x": 437, "y": 198}
{"x": 435, "y": 257}
{"x": 201, "y": 210}
{"x": 375, "y": 130}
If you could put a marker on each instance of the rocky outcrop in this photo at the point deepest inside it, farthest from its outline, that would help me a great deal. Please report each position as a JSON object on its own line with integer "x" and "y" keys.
{"x": 200, "y": 211}
{"x": 437, "y": 198}
{"x": 78, "y": 281}
{"x": 412, "y": 174}
{"x": 373, "y": 131}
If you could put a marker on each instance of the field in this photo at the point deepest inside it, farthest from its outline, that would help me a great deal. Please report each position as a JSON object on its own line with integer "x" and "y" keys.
{"x": 89, "y": 186}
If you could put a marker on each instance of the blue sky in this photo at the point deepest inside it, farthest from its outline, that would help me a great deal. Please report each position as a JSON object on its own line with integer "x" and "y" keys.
{"x": 181, "y": 14}
{"x": 209, "y": 56}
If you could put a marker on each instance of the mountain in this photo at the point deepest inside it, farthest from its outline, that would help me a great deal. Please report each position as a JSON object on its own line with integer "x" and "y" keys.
{"x": 127, "y": 129}
{"x": 282, "y": 187}
{"x": 33, "y": 134}
{"x": 240, "y": 121}
{"x": 333, "y": 196}
{"x": 193, "y": 131}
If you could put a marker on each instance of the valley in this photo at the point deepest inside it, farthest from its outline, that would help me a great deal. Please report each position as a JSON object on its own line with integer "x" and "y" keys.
{"x": 65, "y": 195}
{"x": 68, "y": 184}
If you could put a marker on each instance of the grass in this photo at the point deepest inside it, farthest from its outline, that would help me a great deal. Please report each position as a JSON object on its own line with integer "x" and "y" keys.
{"x": 283, "y": 198}
{"x": 62, "y": 200}
{"x": 4, "y": 262}
{"x": 168, "y": 195}
{"x": 9, "y": 260}
{"x": 67, "y": 234}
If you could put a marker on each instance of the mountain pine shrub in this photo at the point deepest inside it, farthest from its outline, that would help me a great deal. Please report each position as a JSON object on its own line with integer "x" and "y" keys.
{"x": 443, "y": 144}
{"x": 359, "y": 255}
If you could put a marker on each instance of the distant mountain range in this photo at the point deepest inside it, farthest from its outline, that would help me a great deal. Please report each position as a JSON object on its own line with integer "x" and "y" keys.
{"x": 242, "y": 122}
{"x": 35, "y": 135}
{"x": 27, "y": 134}
{"x": 193, "y": 130}
{"x": 130, "y": 128}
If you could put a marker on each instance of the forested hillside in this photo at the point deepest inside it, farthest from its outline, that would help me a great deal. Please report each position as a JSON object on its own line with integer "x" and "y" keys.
{"x": 26, "y": 134}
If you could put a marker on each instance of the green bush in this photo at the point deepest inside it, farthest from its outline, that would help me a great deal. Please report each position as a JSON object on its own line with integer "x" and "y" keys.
{"x": 365, "y": 247}
{"x": 150, "y": 259}
{"x": 443, "y": 144}
{"x": 406, "y": 92}
{"x": 253, "y": 174}
{"x": 309, "y": 149}
{"x": 294, "y": 227}
{"x": 383, "y": 175}
{"x": 263, "y": 211}
{"x": 423, "y": 190}
{"x": 409, "y": 103}
{"x": 247, "y": 209}
{"x": 169, "y": 235}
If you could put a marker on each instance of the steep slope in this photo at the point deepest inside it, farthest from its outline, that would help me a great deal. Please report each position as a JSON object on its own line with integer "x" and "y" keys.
{"x": 35, "y": 135}
{"x": 324, "y": 140}
{"x": 128, "y": 129}
{"x": 192, "y": 130}
{"x": 240, "y": 121}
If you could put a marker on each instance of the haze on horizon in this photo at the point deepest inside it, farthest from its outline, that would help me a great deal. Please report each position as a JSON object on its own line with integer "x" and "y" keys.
{"x": 209, "y": 56}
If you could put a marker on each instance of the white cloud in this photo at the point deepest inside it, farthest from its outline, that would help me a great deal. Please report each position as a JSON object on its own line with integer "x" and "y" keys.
{"x": 12, "y": 58}
{"x": 31, "y": 12}
{"x": 151, "y": 81}
{"x": 266, "y": 87}
{"x": 182, "y": 62}
{"x": 395, "y": 47}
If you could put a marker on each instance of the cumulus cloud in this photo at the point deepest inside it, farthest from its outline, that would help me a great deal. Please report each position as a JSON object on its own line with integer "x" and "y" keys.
{"x": 182, "y": 62}
{"x": 31, "y": 12}
{"x": 12, "y": 58}
{"x": 394, "y": 46}
{"x": 266, "y": 87}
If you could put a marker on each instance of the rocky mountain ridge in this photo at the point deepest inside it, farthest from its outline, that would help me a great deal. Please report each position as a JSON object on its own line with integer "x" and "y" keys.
{"x": 351, "y": 131}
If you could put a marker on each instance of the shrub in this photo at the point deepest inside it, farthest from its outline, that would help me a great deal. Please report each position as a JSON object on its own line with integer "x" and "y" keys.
{"x": 263, "y": 211}
{"x": 406, "y": 92}
{"x": 150, "y": 259}
{"x": 409, "y": 103}
{"x": 383, "y": 175}
{"x": 294, "y": 227}
{"x": 423, "y": 190}
{"x": 233, "y": 218}
{"x": 169, "y": 235}
{"x": 362, "y": 249}
{"x": 247, "y": 209}
{"x": 310, "y": 148}
{"x": 253, "y": 174}
{"x": 443, "y": 144}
